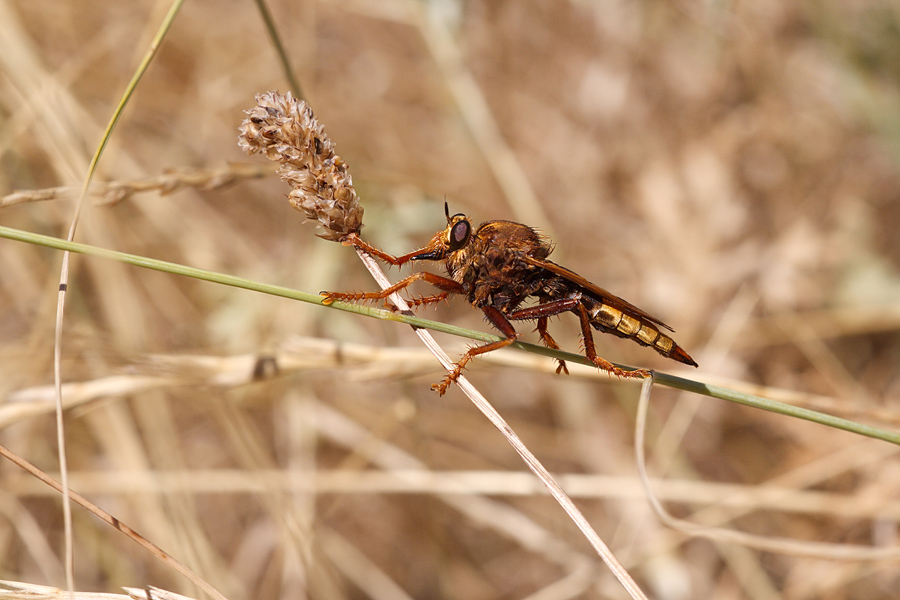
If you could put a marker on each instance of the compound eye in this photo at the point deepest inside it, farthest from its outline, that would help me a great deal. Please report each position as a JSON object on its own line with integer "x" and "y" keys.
{"x": 459, "y": 234}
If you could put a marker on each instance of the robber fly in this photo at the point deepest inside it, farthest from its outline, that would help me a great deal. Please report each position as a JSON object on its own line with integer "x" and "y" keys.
{"x": 501, "y": 264}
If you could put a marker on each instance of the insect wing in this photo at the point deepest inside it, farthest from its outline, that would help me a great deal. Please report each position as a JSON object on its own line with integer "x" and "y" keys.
{"x": 599, "y": 292}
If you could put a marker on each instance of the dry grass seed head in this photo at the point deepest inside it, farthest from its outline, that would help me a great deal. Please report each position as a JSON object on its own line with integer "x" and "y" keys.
{"x": 286, "y": 131}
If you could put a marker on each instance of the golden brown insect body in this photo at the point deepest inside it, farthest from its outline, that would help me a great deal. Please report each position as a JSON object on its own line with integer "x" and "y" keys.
{"x": 501, "y": 264}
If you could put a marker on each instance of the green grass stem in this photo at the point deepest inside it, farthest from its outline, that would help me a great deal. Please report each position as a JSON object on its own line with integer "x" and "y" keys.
{"x": 688, "y": 385}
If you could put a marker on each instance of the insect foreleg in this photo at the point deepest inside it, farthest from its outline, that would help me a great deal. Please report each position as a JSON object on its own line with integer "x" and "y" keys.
{"x": 541, "y": 312}
{"x": 357, "y": 242}
{"x": 499, "y": 321}
{"x": 591, "y": 352}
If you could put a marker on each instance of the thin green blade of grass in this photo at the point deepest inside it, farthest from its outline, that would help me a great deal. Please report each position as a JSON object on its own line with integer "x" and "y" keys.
{"x": 688, "y": 385}
{"x": 166, "y": 25}
{"x": 280, "y": 50}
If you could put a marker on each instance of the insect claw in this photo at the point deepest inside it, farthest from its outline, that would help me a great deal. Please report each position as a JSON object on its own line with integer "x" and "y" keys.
{"x": 441, "y": 387}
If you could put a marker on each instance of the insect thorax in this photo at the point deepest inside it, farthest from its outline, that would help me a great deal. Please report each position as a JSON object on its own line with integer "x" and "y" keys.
{"x": 492, "y": 266}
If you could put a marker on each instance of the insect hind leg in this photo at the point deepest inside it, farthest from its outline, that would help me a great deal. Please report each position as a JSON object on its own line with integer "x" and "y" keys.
{"x": 591, "y": 352}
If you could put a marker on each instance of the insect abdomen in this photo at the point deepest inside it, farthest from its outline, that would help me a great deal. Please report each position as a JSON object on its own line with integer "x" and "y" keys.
{"x": 612, "y": 320}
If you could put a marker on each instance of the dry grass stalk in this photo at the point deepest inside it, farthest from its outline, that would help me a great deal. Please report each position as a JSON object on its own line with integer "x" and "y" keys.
{"x": 117, "y": 524}
{"x": 28, "y": 591}
{"x": 688, "y": 158}
{"x": 113, "y": 192}
{"x": 770, "y": 543}
{"x": 360, "y": 362}
{"x": 285, "y": 130}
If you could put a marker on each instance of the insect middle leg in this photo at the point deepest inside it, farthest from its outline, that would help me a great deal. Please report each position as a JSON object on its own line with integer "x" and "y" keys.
{"x": 448, "y": 286}
{"x": 591, "y": 352}
{"x": 499, "y": 321}
{"x": 541, "y": 312}
{"x": 551, "y": 343}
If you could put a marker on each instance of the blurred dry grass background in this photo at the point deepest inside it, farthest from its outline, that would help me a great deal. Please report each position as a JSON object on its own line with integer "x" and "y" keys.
{"x": 729, "y": 167}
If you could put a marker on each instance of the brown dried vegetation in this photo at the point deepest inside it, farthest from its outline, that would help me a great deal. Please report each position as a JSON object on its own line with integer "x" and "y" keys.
{"x": 732, "y": 168}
